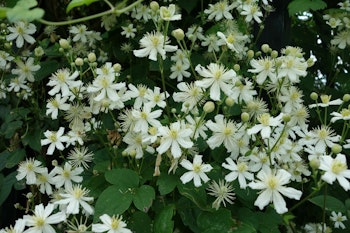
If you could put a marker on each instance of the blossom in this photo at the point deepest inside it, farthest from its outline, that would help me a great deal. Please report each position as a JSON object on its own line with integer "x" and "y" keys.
{"x": 168, "y": 13}
{"x": 264, "y": 67}
{"x": 25, "y": 70}
{"x": 326, "y": 101}
{"x": 114, "y": 224}
{"x": 80, "y": 157}
{"x": 292, "y": 67}
{"x": 196, "y": 172}
{"x": 152, "y": 44}
{"x": 55, "y": 104}
{"x": 45, "y": 181}
{"x": 129, "y": 31}
{"x": 338, "y": 219}
{"x": 66, "y": 175}
{"x": 174, "y": 137}
{"x": 272, "y": 183}
{"x": 189, "y": 94}
{"x": 80, "y": 33}
{"x": 223, "y": 191}
{"x": 21, "y": 31}
{"x": 292, "y": 97}
{"x": 17, "y": 228}
{"x": 74, "y": 197}
{"x": 343, "y": 115}
{"x": 179, "y": 71}
{"x": 266, "y": 122}
{"x": 322, "y": 137}
{"x": 217, "y": 77}
{"x": 29, "y": 169}
{"x": 4, "y": 58}
{"x": 233, "y": 40}
{"x": 63, "y": 81}
{"x": 42, "y": 219}
{"x": 252, "y": 11}
{"x": 335, "y": 169}
{"x": 136, "y": 144}
{"x": 145, "y": 117}
{"x": 55, "y": 139}
{"x": 238, "y": 170}
{"x": 156, "y": 98}
{"x": 219, "y": 10}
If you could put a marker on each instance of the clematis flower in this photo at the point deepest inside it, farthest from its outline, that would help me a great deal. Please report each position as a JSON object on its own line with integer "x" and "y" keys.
{"x": 55, "y": 139}
{"x": 110, "y": 224}
{"x": 196, "y": 172}
{"x": 266, "y": 122}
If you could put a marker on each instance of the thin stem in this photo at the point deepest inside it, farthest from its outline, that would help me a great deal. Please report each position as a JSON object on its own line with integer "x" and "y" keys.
{"x": 307, "y": 197}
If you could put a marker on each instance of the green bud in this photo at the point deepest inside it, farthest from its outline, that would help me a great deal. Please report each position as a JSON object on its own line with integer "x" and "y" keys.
{"x": 274, "y": 54}
{"x": 64, "y": 43}
{"x": 250, "y": 54}
{"x": 265, "y": 48}
{"x": 79, "y": 61}
{"x": 286, "y": 117}
{"x": 236, "y": 67}
{"x": 178, "y": 34}
{"x": 209, "y": 107}
{"x": 314, "y": 96}
{"x": 336, "y": 148}
{"x": 229, "y": 101}
{"x": 245, "y": 116}
{"x": 91, "y": 57}
{"x": 315, "y": 163}
{"x": 346, "y": 97}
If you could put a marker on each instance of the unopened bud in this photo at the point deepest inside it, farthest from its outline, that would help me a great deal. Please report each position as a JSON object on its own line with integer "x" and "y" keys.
{"x": 117, "y": 67}
{"x": 236, "y": 67}
{"x": 154, "y": 6}
{"x": 178, "y": 34}
{"x": 91, "y": 57}
{"x": 346, "y": 97}
{"x": 314, "y": 96}
{"x": 229, "y": 101}
{"x": 245, "y": 116}
{"x": 54, "y": 163}
{"x": 286, "y": 117}
{"x": 265, "y": 48}
{"x": 315, "y": 163}
{"x": 39, "y": 51}
{"x": 64, "y": 43}
{"x": 310, "y": 62}
{"x": 79, "y": 61}
{"x": 274, "y": 54}
{"x": 209, "y": 107}
{"x": 250, "y": 54}
{"x": 336, "y": 148}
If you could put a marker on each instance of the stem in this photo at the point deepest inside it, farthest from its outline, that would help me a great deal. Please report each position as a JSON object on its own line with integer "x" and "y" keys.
{"x": 307, "y": 197}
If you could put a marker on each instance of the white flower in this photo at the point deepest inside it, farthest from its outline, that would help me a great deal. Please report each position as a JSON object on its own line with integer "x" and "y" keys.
{"x": 223, "y": 191}
{"x": 243, "y": 92}
{"x": 80, "y": 157}
{"x": 219, "y": 10}
{"x": 338, "y": 219}
{"x": 42, "y": 219}
{"x": 146, "y": 117}
{"x": 137, "y": 144}
{"x": 292, "y": 97}
{"x": 112, "y": 224}
{"x": 55, "y": 104}
{"x": 264, "y": 67}
{"x": 266, "y": 122}
{"x": 174, "y": 137}
{"x": 67, "y": 175}
{"x": 335, "y": 169}
{"x": 252, "y": 11}
{"x": 153, "y": 44}
{"x": 129, "y": 31}
{"x": 25, "y": 70}
{"x": 80, "y": 33}
{"x": 342, "y": 39}
{"x": 326, "y": 101}
{"x": 4, "y": 58}
{"x": 322, "y": 137}
{"x": 139, "y": 92}
{"x": 63, "y": 81}
{"x": 29, "y": 169}
{"x": 179, "y": 71}
{"x": 45, "y": 181}
{"x": 196, "y": 172}
{"x": 75, "y": 197}
{"x": 156, "y": 98}
{"x": 217, "y": 77}
{"x": 234, "y": 40}
{"x": 18, "y": 228}
{"x": 55, "y": 139}
{"x": 239, "y": 170}
{"x": 272, "y": 183}
{"x": 168, "y": 13}
{"x": 21, "y": 31}
{"x": 343, "y": 115}
{"x": 190, "y": 95}
{"x": 292, "y": 67}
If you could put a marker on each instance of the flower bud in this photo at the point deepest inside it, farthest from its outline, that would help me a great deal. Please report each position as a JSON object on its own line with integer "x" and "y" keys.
{"x": 229, "y": 101}
{"x": 258, "y": 54}
{"x": 265, "y": 48}
{"x": 236, "y": 67}
{"x": 310, "y": 62}
{"x": 64, "y": 43}
{"x": 274, "y": 54}
{"x": 39, "y": 51}
{"x": 286, "y": 117}
{"x": 79, "y": 61}
{"x": 315, "y": 163}
{"x": 314, "y": 96}
{"x": 250, "y": 54}
{"x": 178, "y": 34}
{"x": 173, "y": 110}
{"x": 336, "y": 148}
{"x": 245, "y": 116}
{"x": 209, "y": 107}
{"x": 154, "y": 6}
{"x": 117, "y": 67}
{"x": 346, "y": 97}
{"x": 91, "y": 57}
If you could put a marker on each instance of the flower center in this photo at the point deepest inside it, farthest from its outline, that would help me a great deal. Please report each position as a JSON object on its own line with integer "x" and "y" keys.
{"x": 173, "y": 134}
{"x": 196, "y": 168}
{"x": 264, "y": 119}
{"x": 78, "y": 193}
{"x": 325, "y": 99}
{"x": 144, "y": 115}
{"x": 323, "y": 133}
{"x": 227, "y": 131}
{"x": 230, "y": 39}
{"x": 272, "y": 182}
{"x": 115, "y": 223}
{"x": 53, "y": 137}
{"x": 338, "y": 166}
{"x": 39, "y": 222}
{"x": 242, "y": 167}
{"x": 345, "y": 112}
{"x": 217, "y": 74}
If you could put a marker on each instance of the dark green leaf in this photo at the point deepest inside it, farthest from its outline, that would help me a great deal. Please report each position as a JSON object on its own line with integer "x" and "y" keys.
{"x": 297, "y": 6}
{"x": 6, "y": 186}
{"x": 46, "y": 69}
{"x": 113, "y": 201}
{"x": 188, "y": 5}
{"x": 144, "y": 197}
{"x": 140, "y": 222}
{"x": 32, "y": 138}
{"x": 9, "y": 129}
{"x": 15, "y": 157}
{"x": 96, "y": 185}
{"x": 197, "y": 195}
{"x": 3, "y": 11}
{"x": 163, "y": 222}
{"x": 213, "y": 222}
{"x": 166, "y": 183}
{"x": 3, "y": 158}
{"x": 77, "y": 3}
{"x": 328, "y": 202}
{"x": 124, "y": 178}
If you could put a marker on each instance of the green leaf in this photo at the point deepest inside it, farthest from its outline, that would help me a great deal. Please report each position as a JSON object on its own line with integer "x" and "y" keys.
{"x": 188, "y": 5}
{"x": 196, "y": 195}
{"x": 124, "y": 178}
{"x": 166, "y": 183}
{"x": 297, "y": 6}
{"x": 330, "y": 203}
{"x": 46, "y": 69}
{"x": 140, "y": 222}
{"x": 22, "y": 11}
{"x": 113, "y": 200}
{"x": 32, "y": 138}
{"x": 245, "y": 228}
{"x": 15, "y": 157}
{"x": 9, "y": 129}
{"x": 163, "y": 222}
{"x": 96, "y": 185}
{"x": 6, "y": 186}
{"x": 213, "y": 222}
{"x": 3, "y": 11}
{"x": 3, "y": 158}
{"x": 144, "y": 197}
{"x": 77, "y": 3}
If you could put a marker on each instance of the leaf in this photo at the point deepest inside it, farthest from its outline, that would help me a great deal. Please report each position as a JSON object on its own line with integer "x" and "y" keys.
{"x": 140, "y": 222}
{"x": 297, "y": 6}
{"x": 218, "y": 221}
{"x": 15, "y": 157}
{"x": 6, "y": 186}
{"x": 22, "y": 11}
{"x": 196, "y": 195}
{"x": 188, "y": 5}
{"x": 9, "y": 129}
{"x": 3, "y": 158}
{"x": 77, "y": 3}
{"x": 163, "y": 222}
{"x": 32, "y": 138}
{"x": 3, "y": 11}
{"x": 166, "y": 183}
{"x": 330, "y": 203}
{"x": 113, "y": 201}
{"x": 46, "y": 69}
{"x": 144, "y": 197}
{"x": 124, "y": 178}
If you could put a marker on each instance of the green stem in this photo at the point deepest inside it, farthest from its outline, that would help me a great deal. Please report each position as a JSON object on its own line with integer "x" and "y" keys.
{"x": 307, "y": 197}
